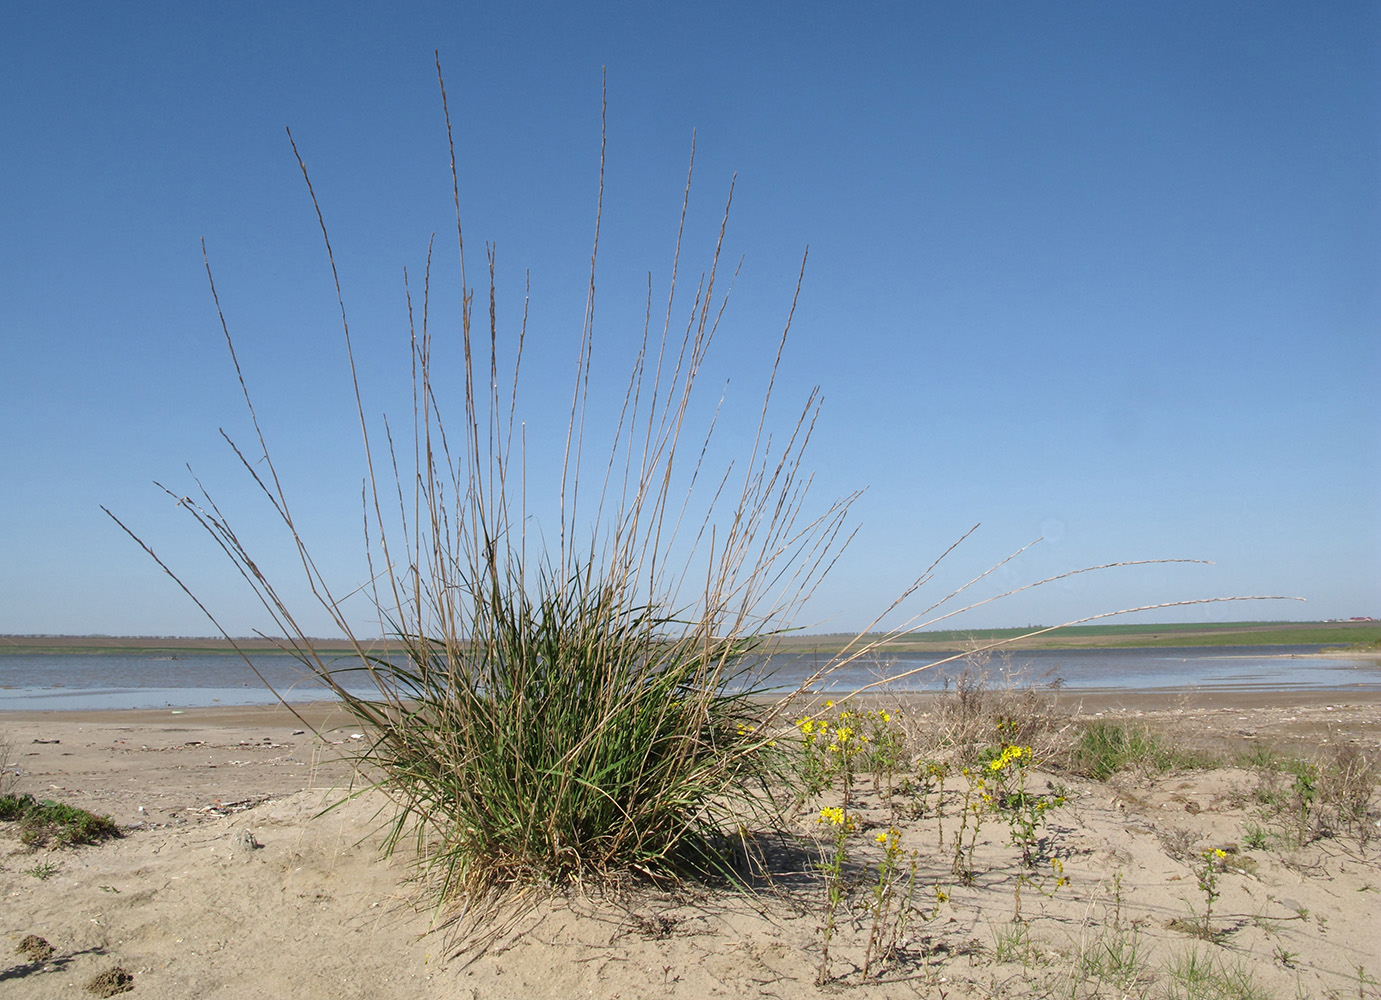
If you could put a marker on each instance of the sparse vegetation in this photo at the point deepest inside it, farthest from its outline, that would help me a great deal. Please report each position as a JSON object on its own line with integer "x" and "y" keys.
{"x": 52, "y": 823}
{"x": 1104, "y": 748}
{"x": 1206, "y": 975}
{"x": 1301, "y": 800}
{"x": 9, "y": 771}
{"x": 42, "y": 871}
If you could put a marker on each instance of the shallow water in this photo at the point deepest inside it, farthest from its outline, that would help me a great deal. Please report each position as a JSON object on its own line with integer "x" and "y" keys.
{"x": 54, "y": 681}
{"x": 1218, "y": 668}
{"x": 86, "y": 681}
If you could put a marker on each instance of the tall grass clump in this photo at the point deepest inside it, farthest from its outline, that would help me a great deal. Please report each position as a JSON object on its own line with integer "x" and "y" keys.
{"x": 561, "y": 699}
{"x": 1104, "y": 748}
{"x": 564, "y": 691}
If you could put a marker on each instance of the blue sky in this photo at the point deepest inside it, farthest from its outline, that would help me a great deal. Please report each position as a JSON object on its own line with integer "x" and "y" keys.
{"x": 1102, "y": 273}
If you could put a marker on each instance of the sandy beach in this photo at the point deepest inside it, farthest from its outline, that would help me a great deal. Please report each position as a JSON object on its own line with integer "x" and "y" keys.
{"x": 229, "y": 881}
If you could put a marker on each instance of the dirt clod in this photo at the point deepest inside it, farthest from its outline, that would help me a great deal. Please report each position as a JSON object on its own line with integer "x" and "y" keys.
{"x": 35, "y": 948}
{"x": 111, "y": 982}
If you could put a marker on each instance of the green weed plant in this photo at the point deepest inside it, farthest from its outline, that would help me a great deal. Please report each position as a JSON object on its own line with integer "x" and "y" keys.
{"x": 44, "y": 823}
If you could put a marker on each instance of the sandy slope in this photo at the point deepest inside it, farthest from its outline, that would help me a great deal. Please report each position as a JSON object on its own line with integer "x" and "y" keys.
{"x": 186, "y": 904}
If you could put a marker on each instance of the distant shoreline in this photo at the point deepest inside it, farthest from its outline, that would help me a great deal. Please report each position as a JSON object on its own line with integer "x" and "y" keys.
{"x": 1347, "y": 635}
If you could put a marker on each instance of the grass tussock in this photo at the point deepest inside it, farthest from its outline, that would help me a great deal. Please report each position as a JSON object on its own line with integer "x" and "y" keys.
{"x": 564, "y": 690}
{"x": 1104, "y": 748}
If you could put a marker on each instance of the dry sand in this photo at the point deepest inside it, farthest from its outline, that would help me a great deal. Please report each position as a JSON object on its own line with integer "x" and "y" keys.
{"x": 228, "y": 883}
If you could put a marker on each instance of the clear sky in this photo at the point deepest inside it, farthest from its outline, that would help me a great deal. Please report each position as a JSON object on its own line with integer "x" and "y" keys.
{"x": 1104, "y": 273}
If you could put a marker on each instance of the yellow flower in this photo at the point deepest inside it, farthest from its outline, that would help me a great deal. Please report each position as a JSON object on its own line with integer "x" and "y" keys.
{"x": 940, "y": 895}
{"x": 1009, "y": 756}
{"x": 881, "y": 838}
{"x": 837, "y": 818}
{"x": 829, "y": 704}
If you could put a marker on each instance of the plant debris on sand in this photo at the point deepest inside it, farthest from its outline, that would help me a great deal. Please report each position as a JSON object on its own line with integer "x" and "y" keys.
{"x": 111, "y": 983}
{"x": 34, "y": 948}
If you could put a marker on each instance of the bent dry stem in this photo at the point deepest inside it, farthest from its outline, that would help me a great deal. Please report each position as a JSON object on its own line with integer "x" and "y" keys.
{"x": 563, "y": 706}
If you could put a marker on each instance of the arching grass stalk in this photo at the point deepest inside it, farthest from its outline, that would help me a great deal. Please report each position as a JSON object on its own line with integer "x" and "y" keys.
{"x": 564, "y": 704}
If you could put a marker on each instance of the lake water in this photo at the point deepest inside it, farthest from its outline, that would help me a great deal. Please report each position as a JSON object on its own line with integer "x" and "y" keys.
{"x": 54, "y": 681}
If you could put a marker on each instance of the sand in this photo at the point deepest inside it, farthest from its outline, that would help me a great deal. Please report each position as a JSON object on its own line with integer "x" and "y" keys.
{"x": 230, "y": 882}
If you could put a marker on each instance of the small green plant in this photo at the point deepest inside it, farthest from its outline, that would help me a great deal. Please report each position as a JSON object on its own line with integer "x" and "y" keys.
{"x": 1366, "y": 982}
{"x": 1260, "y": 758}
{"x": 1012, "y": 943}
{"x": 1256, "y": 837}
{"x": 832, "y": 746}
{"x": 977, "y": 802}
{"x": 932, "y": 775}
{"x": 839, "y": 825}
{"x": 42, "y": 871}
{"x": 836, "y": 744}
{"x": 1286, "y": 958}
{"x": 1202, "y": 976}
{"x": 1114, "y": 957}
{"x": 1025, "y": 810}
{"x": 1104, "y": 748}
{"x": 1206, "y": 874}
{"x": 1304, "y": 796}
{"x": 1025, "y": 813}
{"x": 890, "y": 904}
{"x": 42, "y": 823}
{"x": 816, "y": 768}
{"x": 886, "y": 753}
